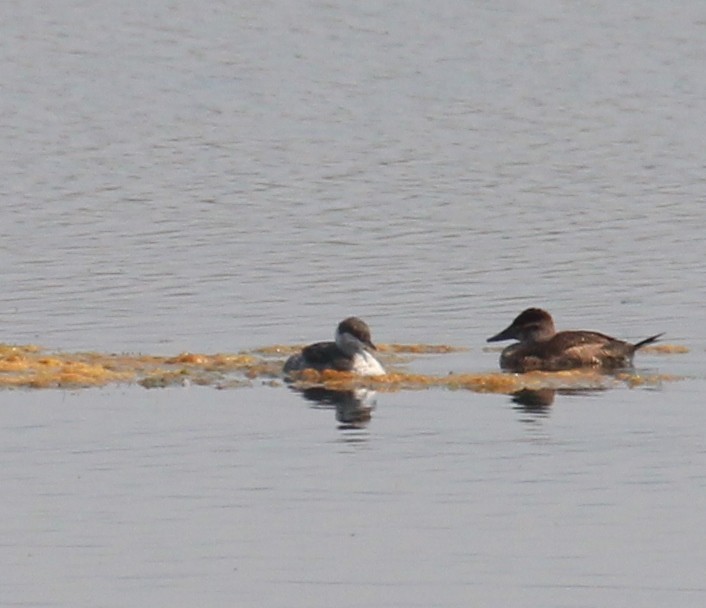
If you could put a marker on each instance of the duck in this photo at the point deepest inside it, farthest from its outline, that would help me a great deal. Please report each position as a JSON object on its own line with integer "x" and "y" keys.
{"x": 349, "y": 352}
{"x": 541, "y": 347}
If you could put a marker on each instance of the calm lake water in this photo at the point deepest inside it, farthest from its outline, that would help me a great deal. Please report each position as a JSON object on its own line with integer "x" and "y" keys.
{"x": 213, "y": 178}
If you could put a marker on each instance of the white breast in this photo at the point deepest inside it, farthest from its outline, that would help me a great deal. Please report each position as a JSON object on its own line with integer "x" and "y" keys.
{"x": 366, "y": 365}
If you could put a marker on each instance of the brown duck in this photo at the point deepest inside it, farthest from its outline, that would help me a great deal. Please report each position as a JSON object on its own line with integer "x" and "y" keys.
{"x": 541, "y": 347}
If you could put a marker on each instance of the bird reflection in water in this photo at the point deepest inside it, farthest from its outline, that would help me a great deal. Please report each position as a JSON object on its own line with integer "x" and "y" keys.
{"x": 534, "y": 401}
{"x": 353, "y": 407}
{"x": 538, "y": 401}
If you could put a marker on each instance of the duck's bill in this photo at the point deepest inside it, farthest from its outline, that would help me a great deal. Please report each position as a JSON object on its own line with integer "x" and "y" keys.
{"x": 506, "y": 334}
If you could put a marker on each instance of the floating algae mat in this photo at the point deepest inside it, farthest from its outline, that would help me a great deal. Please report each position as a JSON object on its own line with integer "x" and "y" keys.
{"x": 32, "y": 367}
{"x": 491, "y": 382}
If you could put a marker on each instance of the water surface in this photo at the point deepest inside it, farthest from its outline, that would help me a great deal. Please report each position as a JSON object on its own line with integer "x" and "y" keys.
{"x": 252, "y": 497}
{"x": 213, "y": 179}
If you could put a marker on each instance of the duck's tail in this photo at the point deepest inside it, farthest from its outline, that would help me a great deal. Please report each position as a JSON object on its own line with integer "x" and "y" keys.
{"x": 647, "y": 341}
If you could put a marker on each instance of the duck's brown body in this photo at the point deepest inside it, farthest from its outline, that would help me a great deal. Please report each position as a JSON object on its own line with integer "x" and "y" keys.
{"x": 540, "y": 347}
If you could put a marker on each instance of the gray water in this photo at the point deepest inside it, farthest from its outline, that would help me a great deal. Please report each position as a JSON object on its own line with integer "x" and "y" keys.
{"x": 213, "y": 178}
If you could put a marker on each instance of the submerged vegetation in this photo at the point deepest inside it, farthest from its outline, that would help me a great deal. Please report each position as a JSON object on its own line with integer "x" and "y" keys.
{"x": 28, "y": 366}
